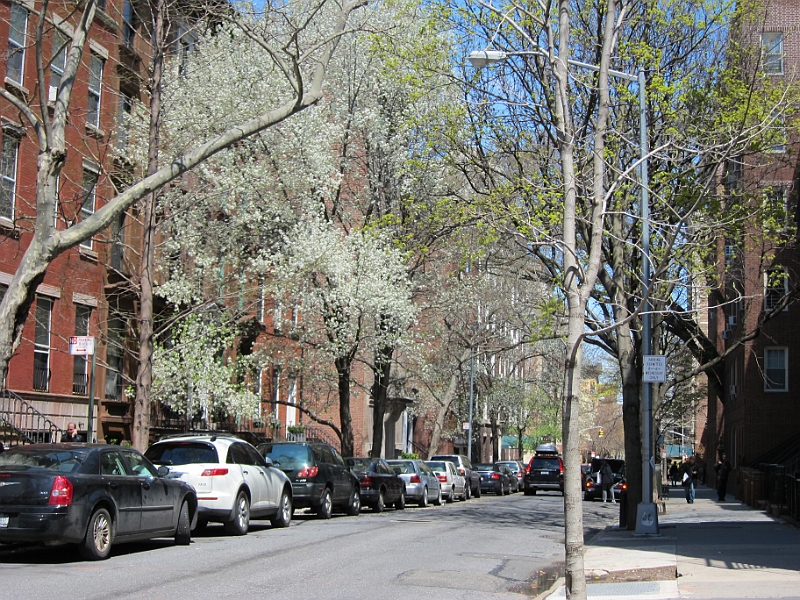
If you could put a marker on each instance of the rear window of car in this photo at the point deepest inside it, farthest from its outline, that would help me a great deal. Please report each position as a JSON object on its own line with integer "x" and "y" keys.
{"x": 484, "y": 467}
{"x": 361, "y": 464}
{"x": 437, "y": 465}
{"x": 42, "y": 459}
{"x": 403, "y": 468}
{"x": 545, "y": 463}
{"x": 287, "y": 456}
{"x": 182, "y": 453}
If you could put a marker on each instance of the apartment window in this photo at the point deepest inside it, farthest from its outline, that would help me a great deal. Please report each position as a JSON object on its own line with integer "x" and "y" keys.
{"x": 776, "y": 288}
{"x": 8, "y": 173}
{"x": 128, "y": 24}
{"x": 15, "y": 64}
{"x": 772, "y": 52}
{"x": 276, "y": 390}
{"x": 777, "y": 133}
{"x": 114, "y": 359}
{"x": 58, "y": 64}
{"x": 777, "y": 213}
{"x": 80, "y": 371}
{"x": 95, "y": 83}
{"x": 123, "y": 114}
{"x": 41, "y": 344}
{"x": 776, "y": 369}
{"x": 89, "y": 186}
{"x": 277, "y": 316}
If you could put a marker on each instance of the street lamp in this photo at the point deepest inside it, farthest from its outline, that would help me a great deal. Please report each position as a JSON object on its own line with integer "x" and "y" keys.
{"x": 646, "y": 513}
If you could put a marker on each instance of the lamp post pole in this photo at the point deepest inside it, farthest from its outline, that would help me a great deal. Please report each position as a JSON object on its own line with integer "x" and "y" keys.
{"x": 646, "y": 513}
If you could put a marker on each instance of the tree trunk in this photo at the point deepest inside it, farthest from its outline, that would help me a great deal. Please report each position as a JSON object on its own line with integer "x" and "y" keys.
{"x": 444, "y": 407}
{"x": 144, "y": 375}
{"x": 495, "y": 439}
{"x": 343, "y": 366}
{"x": 378, "y": 392}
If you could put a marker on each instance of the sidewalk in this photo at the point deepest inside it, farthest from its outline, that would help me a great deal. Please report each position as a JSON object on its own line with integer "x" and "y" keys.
{"x": 706, "y": 550}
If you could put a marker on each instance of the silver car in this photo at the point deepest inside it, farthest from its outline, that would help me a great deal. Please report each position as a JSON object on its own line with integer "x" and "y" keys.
{"x": 453, "y": 484}
{"x": 422, "y": 485}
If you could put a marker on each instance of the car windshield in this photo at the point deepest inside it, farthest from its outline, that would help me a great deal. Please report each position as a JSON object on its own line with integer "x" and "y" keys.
{"x": 513, "y": 466}
{"x": 437, "y": 466}
{"x": 287, "y": 456}
{"x": 182, "y": 453}
{"x": 360, "y": 464}
{"x": 42, "y": 459}
{"x": 545, "y": 463}
{"x": 483, "y": 467}
{"x": 403, "y": 467}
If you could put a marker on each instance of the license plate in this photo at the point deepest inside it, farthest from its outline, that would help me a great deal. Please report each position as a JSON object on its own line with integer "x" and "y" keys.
{"x": 3, "y": 520}
{"x": 544, "y": 472}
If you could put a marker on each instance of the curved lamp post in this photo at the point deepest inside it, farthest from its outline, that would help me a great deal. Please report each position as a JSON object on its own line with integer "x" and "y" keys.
{"x": 646, "y": 513}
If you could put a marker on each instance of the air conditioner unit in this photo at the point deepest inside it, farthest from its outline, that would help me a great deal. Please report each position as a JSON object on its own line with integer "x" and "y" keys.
{"x": 733, "y": 390}
{"x": 725, "y": 335}
{"x": 52, "y": 94}
{"x": 732, "y": 321}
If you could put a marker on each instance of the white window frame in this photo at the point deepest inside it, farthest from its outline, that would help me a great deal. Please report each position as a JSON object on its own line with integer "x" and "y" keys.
{"x": 58, "y": 63}
{"x": 785, "y": 351}
{"x": 8, "y": 172}
{"x": 16, "y": 47}
{"x": 90, "y": 195}
{"x": 43, "y": 349}
{"x": 128, "y": 24}
{"x": 96, "y": 68}
{"x": 769, "y": 302}
{"x": 772, "y": 55}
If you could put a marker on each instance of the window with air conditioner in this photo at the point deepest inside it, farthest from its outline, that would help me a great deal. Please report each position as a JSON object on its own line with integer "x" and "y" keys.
{"x": 776, "y": 288}
{"x": 776, "y": 371}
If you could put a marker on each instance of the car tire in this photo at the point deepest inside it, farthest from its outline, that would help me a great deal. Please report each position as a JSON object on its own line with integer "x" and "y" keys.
{"x": 285, "y": 511}
{"x": 380, "y": 504}
{"x": 439, "y": 501}
{"x": 99, "y": 536}
{"x": 401, "y": 503}
{"x": 423, "y": 502}
{"x": 353, "y": 508}
{"x": 325, "y": 508}
{"x": 451, "y": 497}
{"x": 477, "y": 493}
{"x": 533, "y": 491}
{"x": 467, "y": 491}
{"x": 183, "y": 533}
{"x": 240, "y": 523}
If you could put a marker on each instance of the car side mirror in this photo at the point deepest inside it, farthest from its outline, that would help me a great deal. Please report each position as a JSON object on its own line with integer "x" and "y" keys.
{"x": 163, "y": 471}
{"x": 269, "y": 462}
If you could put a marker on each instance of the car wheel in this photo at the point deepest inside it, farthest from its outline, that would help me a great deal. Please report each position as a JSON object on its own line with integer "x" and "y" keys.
{"x": 380, "y": 504}
{"x": 99, "y": 536}
{"x": 467, "y": 491}
{"x": 401, "y": 503}
{"x": 451, "y": 497}
{"x": 477, "y": 493}
{"x": 533, "y": 491}
{"x": 285, "y": 510}
{"x": 423, "y": 502}
{"x": 325, "y": 508}
{"x": 439, "y": 501}
{"x": 354, "y": 504}
{"x": 183, "y": 533}
{"x": 241, "y": 516}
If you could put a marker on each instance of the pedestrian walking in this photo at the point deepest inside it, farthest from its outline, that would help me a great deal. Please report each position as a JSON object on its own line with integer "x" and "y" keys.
{"x": 723, "y": 470}
{"x": 689, "y": 477}
{"x": 607, "y": 482}
{"x": 674, "y": 473}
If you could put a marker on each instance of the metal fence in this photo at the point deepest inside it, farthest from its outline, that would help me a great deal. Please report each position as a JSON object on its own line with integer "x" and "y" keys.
{"x": 21, "y": 423}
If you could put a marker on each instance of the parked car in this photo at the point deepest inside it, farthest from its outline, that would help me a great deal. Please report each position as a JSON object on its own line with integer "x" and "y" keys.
{"x": 518, "y": 471}
{"x": 494, "y": 478}
{"x": 92, "y": 495}
{"x": 544, "y": 472}
{"x": 422, "y": 485}
{"x": 591, "y": 488}
{"x": 320, "y": 478}
{"x": 464, "y": 467}
{"x": 233, "y": 481}
{"x": 453, "y": 483}
{"x": 380, "y": 485}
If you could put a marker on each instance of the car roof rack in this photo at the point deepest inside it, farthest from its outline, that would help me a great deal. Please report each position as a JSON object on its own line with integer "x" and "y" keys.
{"x": 198, "y": 433}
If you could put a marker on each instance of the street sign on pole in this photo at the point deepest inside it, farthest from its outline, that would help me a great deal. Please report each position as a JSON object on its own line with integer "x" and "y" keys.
{"x": 655, "y": 368}
{"x": 81, "y": 345}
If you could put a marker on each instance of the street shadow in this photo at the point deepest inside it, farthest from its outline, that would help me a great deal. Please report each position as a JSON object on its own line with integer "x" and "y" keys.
{"x": 38, "y": 554}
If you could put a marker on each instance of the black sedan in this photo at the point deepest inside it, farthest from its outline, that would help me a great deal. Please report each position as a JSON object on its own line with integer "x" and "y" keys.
{"x": 380, "y": 485}
{"x": 92, "y": 495}
{"x": 493, "y": 479}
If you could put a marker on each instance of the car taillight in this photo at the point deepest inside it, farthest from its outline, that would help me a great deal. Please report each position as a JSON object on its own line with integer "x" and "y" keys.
{"x": 415, "y": 479}
{"x": 527, "y": 469}
{"x": 442, "y": 478}
{"x": 61, "y": 492}
{"x": 307, "y": 472}
{"x": 462, "y": 471}
{"x": 366, "y": 482}
{"x": 214, "y": 472}
{"x": 495, "y": 476}
{"x": 589, "y": 483}
{"x": 624, "y": 486}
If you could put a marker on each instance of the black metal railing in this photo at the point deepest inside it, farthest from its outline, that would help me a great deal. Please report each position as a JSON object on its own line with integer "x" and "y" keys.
{"x": 793, "y": 495}
{"x": 80, "y": 384}
{"x": 21, "y": 423}
{"x": 41, "y": 379}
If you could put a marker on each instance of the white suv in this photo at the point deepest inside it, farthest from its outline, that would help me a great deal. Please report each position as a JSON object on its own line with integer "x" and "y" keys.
{"x": 234, "y": 483}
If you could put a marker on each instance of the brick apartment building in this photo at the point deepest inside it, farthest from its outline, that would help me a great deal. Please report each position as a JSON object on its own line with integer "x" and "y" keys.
{"x": 758, "y": 411}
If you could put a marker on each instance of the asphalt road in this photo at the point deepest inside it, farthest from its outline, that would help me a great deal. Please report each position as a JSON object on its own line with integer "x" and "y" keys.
{"x": 492, "y": 546}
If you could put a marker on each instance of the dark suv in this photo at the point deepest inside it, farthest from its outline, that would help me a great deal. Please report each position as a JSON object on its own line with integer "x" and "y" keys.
{"x": 320, "y": 478}
{"x": 464, "y": 467}
{"x": 544, "y": 472}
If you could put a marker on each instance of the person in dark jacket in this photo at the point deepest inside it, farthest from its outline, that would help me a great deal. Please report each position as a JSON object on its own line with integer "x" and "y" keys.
{"x": 723, "y": 470}
{"x": 607, "y": 482}
{"x": 71, "y": 434}
{"x": 674, "y": 473}
{"x": 688, "y": 478}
